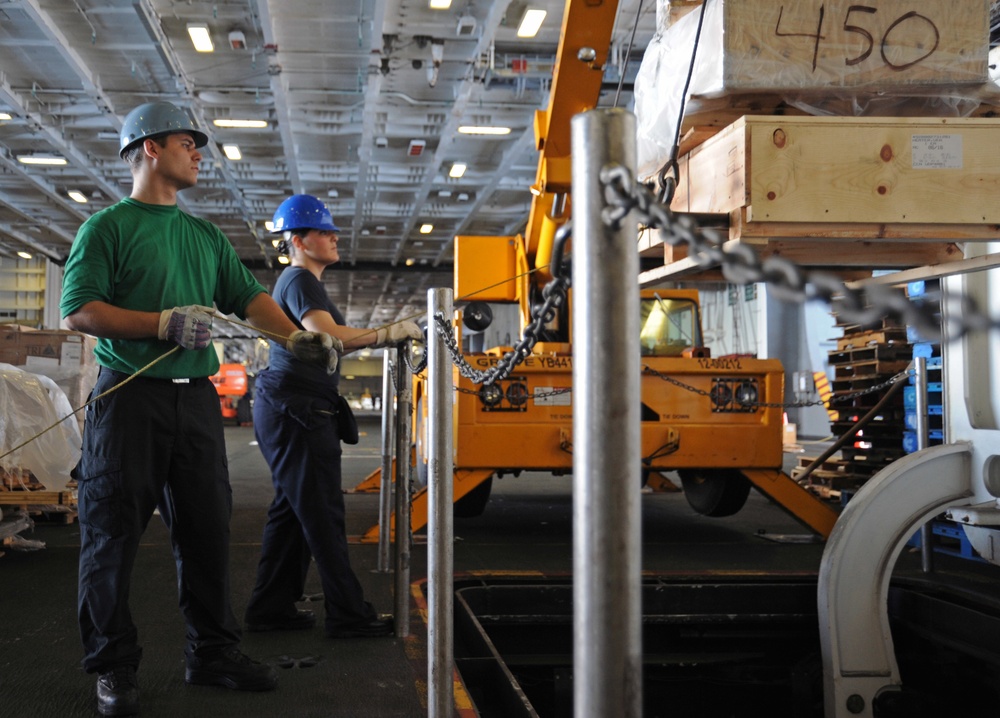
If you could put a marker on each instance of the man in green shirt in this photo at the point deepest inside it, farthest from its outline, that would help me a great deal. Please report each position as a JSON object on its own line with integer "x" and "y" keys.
{"x": 143, "y": 277}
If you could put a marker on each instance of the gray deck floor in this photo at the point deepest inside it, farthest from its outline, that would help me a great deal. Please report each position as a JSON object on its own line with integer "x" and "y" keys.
{"x": 526, "y": 527}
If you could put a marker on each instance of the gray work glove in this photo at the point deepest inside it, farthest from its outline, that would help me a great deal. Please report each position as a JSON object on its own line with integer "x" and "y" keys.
{"x": 397, "y": 333}
{"x": 190, "y": 326}
{"x": 318, "y": 348}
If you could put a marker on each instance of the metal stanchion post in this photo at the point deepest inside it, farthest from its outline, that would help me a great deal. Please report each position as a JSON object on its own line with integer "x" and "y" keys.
{"x": 440, "y": 521}
{"x": 403, "y": 539}
{"x": 920, "y": 384}
{"x": 385, "y": 484}
{"x": 607, "y": 610}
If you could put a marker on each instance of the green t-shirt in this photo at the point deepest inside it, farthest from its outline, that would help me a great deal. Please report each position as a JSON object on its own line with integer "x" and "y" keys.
{"x": 150, "y": 258}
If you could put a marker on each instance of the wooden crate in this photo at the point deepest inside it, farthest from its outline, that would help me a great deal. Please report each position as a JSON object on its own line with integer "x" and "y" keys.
{"x": 848, "y": 177}
{"x": 829, "y": 44}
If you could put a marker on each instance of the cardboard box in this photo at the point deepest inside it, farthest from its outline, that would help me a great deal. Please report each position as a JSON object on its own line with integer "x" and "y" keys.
{"x": 27, "y": 347}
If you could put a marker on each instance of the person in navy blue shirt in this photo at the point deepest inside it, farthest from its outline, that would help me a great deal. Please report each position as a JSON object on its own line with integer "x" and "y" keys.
{"x": 296, "y": 408}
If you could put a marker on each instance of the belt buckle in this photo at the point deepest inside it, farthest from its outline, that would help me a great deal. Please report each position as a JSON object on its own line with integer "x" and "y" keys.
{"x": 181, "y": 381}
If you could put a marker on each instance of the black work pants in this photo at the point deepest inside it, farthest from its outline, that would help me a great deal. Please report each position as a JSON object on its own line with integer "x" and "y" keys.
{"x": 297, "y": 434}
{"x": 153, "y": 444}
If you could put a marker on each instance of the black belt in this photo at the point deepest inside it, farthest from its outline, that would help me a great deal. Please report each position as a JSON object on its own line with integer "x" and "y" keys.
{"x": 122, "y": 376}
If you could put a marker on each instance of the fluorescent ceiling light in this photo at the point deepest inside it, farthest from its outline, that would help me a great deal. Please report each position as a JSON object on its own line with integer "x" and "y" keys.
{"x": 41, "y": 160}
{"x": 282, "y": 259}
{"x": 200, "y": 37}
{"x": 77, "y": 196}
{"x": 440, "y": 4}
{"x": 4, "y": 116}
{"x": 241, "y": 124}
{"x": 426, "y": 228}
{"x": 483, "y": 130}
{"x": 269, "y": 226}
{"x": 333, "y": 194}
{"x": 24, "y": 255}
{"x": 530, "y": 22}
{"x": 458, "y": 169}
{"x": 232, "y": 152}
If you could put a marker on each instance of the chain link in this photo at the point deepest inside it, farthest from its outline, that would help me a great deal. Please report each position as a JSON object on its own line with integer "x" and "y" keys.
{"x": 741, "y": 265}
{"x": 554, "y": 294}
{"x": 405, "y": 351}
{"x": 789, "y": 405}
{"x": 532, "y": 397}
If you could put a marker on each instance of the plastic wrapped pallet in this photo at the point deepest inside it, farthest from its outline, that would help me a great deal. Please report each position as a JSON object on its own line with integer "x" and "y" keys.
{"x": 29, "y": 404}
{"x": 886, "y": 58}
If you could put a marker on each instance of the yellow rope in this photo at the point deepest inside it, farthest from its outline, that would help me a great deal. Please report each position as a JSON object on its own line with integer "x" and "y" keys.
{"x": 273, "y": 335}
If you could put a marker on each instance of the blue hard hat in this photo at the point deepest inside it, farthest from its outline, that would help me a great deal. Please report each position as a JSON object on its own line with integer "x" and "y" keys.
{"x": 157, "y": 118}
{"x": 303, "y": 211}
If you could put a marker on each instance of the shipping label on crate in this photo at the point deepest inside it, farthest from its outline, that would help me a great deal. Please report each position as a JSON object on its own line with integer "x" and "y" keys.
{"x": 781, "y": 45}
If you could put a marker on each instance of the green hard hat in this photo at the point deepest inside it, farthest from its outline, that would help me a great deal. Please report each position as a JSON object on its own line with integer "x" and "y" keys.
{"x": 157, "y": 118}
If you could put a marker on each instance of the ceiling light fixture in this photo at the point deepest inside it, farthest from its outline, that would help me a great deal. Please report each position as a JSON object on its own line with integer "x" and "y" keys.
{"x": 282, "y": 259}
{"x": 426, "y": 228}
{"x": 333, "y": 194}
{"x": 462, "y": 197}
{"x": 458, "y": 169}
{"x": 241, "y": 124}
{"x": 41, "y": 160}
{"x": 24, "y": 255}
{"x": 77, "y": 196}
{"x": 275, "y": 242}
{"x": 483, "y": 130}
{"x": 269, "y": 226}
{"x": 232, "y": 152}
{"x": 440, "y": 4}
{"x": 531, "y": 21}
{"x": 410, "y": 262}
{"x": 4, "y": 116}
{"x": 200, "y": 37}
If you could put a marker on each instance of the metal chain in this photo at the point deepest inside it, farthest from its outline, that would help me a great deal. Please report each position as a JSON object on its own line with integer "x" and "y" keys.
{"x": 790, "y": 405}
{"x": 533, "y": 397}
{"x": 405, "y": 350}
{"x": 554, "y": 294}
{"x": 741, "y": 265}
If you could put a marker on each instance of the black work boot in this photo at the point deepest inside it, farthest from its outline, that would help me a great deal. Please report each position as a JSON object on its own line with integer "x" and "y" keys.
{"x": 231, "y": 669}
{"x": 118, "y": 692}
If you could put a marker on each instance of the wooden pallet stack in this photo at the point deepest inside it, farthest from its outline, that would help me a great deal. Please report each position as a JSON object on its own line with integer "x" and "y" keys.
{"x": 21, "y": 493}
{"x": 864, "y": 359}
